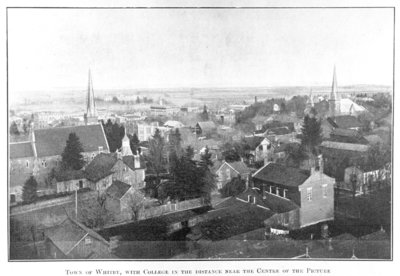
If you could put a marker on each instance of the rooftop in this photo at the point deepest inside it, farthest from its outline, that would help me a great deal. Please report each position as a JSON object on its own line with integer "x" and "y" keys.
{"x": 117, "y": 189}
{"x": 52, "y": 141}
{"x": 69, "y": 233}
{"x": 21, "y": 150}
{"x": 100, "y": 166}
{"x": 345, "y": 146}
{"x": 279, "y": 174}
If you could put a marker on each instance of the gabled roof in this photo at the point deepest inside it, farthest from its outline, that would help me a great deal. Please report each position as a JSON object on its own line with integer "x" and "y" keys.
{"x": 344, "y": 121}
{"x": 278, "y": 131}
{"x": 66, "y": 235}
{"x": 239, "y": 166}
{"x": 345, "y": 132}
{"x": 279, "y": 174}
{"x": 253, "y": 141}
{"x": 21, "y": 150}
{"x": 208, "y": 125}
{"x": 69, "y": 175}
{"x": 344, "y": 146}
{"x": 100, "y": 166}
{"x": 52, "y": 141}
{"x": 117, "y": 189}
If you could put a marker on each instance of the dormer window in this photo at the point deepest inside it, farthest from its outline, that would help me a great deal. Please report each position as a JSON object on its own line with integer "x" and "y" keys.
{"x": 100, "y": 149}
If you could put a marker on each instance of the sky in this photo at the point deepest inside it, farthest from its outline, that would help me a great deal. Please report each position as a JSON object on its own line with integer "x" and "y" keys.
{"x": 53, "y": 49}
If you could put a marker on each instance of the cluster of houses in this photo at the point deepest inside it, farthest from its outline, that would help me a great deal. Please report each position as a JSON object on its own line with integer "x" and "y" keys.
{"x": 276, "y": 195}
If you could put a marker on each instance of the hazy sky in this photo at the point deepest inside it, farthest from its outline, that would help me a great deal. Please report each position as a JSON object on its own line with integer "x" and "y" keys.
{"x": 153, "y": 48}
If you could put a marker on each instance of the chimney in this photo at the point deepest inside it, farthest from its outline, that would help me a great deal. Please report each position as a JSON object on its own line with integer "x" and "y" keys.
{"x": 136, "y": 159}
{"x": 321, "y": 163}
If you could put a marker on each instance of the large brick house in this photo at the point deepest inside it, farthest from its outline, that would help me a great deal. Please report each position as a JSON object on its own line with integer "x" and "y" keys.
{"x": 42, "y": 153}
{"x": 311, "y": 191}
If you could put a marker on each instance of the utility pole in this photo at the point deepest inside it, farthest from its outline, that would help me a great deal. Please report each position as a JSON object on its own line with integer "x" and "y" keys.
{"x": 76, "y": 203}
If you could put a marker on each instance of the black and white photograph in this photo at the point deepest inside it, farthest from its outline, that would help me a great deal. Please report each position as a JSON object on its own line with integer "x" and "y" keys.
{"x": 218, "y": 133}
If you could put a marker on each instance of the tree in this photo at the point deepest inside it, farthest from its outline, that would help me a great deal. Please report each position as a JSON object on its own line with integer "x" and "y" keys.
{"x": 155, "y": 159}
{"x": 92, "y": 211}
{"x": 114, "y": 134}
{"x": 208, "y": 183}
{"x": 29, "y": 191}
{"x": 138, "y": 100}
{"x": 174, "y": 145}
{"x": 234, "y": 187}
{"x": 135, "y": 203}
{"x": 14, "y": 129}
{"x": 72, "y": 157}
{"x": 134, "y": 143}
{"x": 189, "y": 152}
{"x": 311, "y": 133}
{"x": 230, "y": 153}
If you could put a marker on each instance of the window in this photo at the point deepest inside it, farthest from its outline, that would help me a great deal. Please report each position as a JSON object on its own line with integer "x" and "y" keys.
{"x": 228, "y": 174}
{"x": 100, "y": 149}
{"x": 309, "y": 194}
{"x": 88, "y": 241}
{"x": 80, "y": 184}
{"x": 324, "y": 191}
{"x": 12, "y": 198}
{"x": 44, "y": 163}
{"x": 27, "y": 163}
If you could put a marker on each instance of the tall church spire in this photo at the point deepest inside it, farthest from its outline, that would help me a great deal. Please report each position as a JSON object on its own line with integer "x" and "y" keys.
{"x": 334, "y": 98}
{"x": 90, "y": 103}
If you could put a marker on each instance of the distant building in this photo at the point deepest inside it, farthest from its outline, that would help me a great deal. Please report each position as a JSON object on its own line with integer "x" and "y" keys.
{"x": 173, "y": 124}
{"x": 146, "y": 131}
{"x": 347, "y": 136}
{"x": 345, "y": 122}
{"x": 312, "y": 193}
{"x": 229, "y": 170}
{"x": 205, "y": 128}
{"x": 339, "y": 106}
